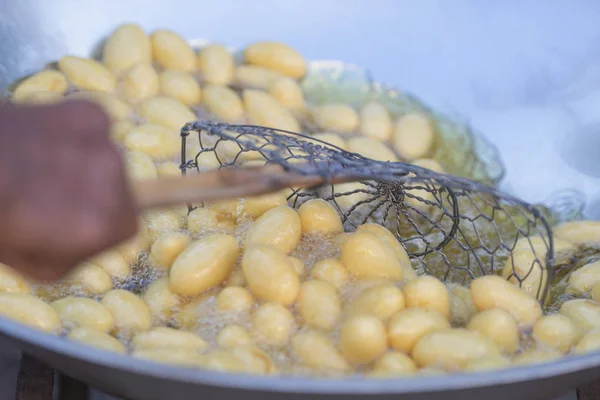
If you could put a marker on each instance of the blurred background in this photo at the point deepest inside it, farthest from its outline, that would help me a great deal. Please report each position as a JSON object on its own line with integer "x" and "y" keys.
{"x": 524, "y": 73}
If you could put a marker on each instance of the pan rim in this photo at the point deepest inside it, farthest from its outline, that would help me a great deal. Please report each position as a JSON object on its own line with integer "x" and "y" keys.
{"x": 284, "y": 384}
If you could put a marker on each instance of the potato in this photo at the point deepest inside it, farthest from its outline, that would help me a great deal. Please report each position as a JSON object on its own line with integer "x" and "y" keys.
{"x": 223, "y": 102}
{"x": 453, "y": 348}
{"x": 298, "y": 266}
{"x": 168, "y": 169}
{"x": 29, "y": 310}
{"x": 556, "y": 331}
{"x": 498, "y": 325}
{"x": 160, "y": 222}
{"x": 113, "y": 263}
{"x": 12, "y": 282}
{"x": 584, "y": 313}
{"x": 336, "y": 118}
{"x": 87, "y": 74}
{"x": 172, "y": 51}
{"x": 315, "y": 350}
{"x": 578, "y": 232}
{"x": 235, "y": 298}
{"x": 251, "y": 76}
{"x": 154, "y": 140}
{"x": 388, "y": 237}
{"x": 319, "y": 304}
{"x": 366, "y": 256}
{"x": 461, "y": 304}
{"x": 408, "y": 326}
{"x": 272, "y": 324}
{"x": 277, "y": 56}
{"x": 94, "y": 338}
{"x": 595, "y": 292}
{"x": 494, "y": 292}
{"x": 126, "y": 47}
{"x": 163, "y": 337}
{"x": 204, "y": 264}
{"x": 256, "y": 206}
{"x": 167, "y": 247}
{"x": 583, "y": 279}
{"x": 375, "y": 121}
{"x": 288, "y": 92}
{"x": 382, "y": 300}
{"x": 280, "y": 227}
{"x": 83, "y": 312}
{"x": 318, "y": 216}
{"x": 264, "y": 109}
{"x": 331, "y": 138}
{"x": 429, "y": 293}
{"x": 488, "y": 364}
{"x": 248, "y": 359}
{"x": 394, "y": 363}
{"x": 181, "y": 86}
{"x": 332, "y": 271}
{"x": 90, "y": 279}
{"x": 191, "y": 315}
{"x": 203, "y": 220}
{"x": 216, "y": 64}
{"x": 527, "y": 270}
{"x": 232, "y": 336}
{"x": 363, "y": 339}
{"x": 116, "y": 109}
{"x": 537, "y": 356}
{"x": 589, "y": 343}
{"x": 130, "y": 312}
{"x": 140, "y": 166}
{"x": 120, "y": 129}
{"x": 161, "y": 300}
{"x": 140, "y": 83}
{"x": 167, "y": 112}
{"x": 44, "y": 97}
{"x": 236, "y": 278}
{"x": 182, "y": 357}
{"x": 413, "y": 136}
{"x": 270, "y": 274}
{"x": 131, "y": 249}
{"x": 45, "y": 81}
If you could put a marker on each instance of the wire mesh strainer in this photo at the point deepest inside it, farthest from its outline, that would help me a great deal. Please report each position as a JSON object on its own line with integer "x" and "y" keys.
{"x": 451, "y": 227}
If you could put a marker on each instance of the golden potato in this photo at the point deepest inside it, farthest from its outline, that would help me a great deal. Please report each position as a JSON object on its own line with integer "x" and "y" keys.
{"x": 140, "y": 83}
{"x": 264, "y": 109}
{"x": 161, "y": 300}
{"x": 382, "y": 300}
{"x": 167, "y": 112}
{"x": 216, "y": 64}
{"x": 498, "y": 325}
{"x": 371, "y": 148}
{"x": 277, "y": 56}
{"x": 394, "y": 363}
{"x": 126, "y": 47}
{"x": 298, "y": 266}
{"x": 12, "y": 282}
{"x": 172, "y": 51}
{"x": 288, "y": 92}
{"x": 272, "y": 324}
{"x": 375, "y": 121}
{"x": 113, "y": 263}
{"x": 280, "y": 227}
{"x": 94, "y": 338}
{"x": 167, "y": 247}
{"x": 429, "y": 293}
{"x": 495, "y": 292}
{"x": 367, "y": 256}
{"x": 223, "y": 102}
{"x": 332, "y": 271}
{"x": 255, "y": 77}
{"x": 589, "y": 343}
{"x": 527, "y": 270}
{"x": 461, "y": 304}
{"x": 204, "y": 264}
{"x": 315, "y": 350}
{"x": 578, "y": 232}
{"x": 584, "y": 313}
{"x": 163, "y": 337}
{"x": 336, "y": 118}
{"x": 181, "y": 86}
{"x": 130, "y": 312}
{"x": 363, "y": 339}
{"x": 453, "y": 348}
{"x": 556, "y": 331}
{"x": 318, "y": 216}
{"x": 29, "y": 310}
{"x": 235, "y": 298}
{"x": 232, "y": 336}
{"x": 537, "y": 356}
{"x": 319, "y": 304}
{"x": 50, "y": 81}
{"x": 90, "y": 279}
{"x": 413, "y": 136}
{"x": 408, "y": 326}
{"x": 83, "y": 312}
{"x": 583, "y": 279}
{"x": 270, "y": 274}
{"x": 204, "y": 219}
{"x": 87, "y": 74}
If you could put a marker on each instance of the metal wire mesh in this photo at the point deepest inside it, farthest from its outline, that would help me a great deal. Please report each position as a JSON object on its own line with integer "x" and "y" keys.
{"x": 451, "y": 227}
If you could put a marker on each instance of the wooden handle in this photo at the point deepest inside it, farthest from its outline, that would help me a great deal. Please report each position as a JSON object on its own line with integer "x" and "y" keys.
{"x": 222, "y": 184}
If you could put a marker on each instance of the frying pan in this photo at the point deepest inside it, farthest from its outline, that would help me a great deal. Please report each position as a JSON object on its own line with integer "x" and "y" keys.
{"x": 35, "y": 32}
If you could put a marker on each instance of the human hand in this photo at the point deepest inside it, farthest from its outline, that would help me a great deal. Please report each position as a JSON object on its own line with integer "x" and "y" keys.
{"x": 63, "y": 192}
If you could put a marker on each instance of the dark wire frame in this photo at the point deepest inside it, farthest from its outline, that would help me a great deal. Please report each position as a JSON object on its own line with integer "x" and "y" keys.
{"x": 451, "y": 227}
